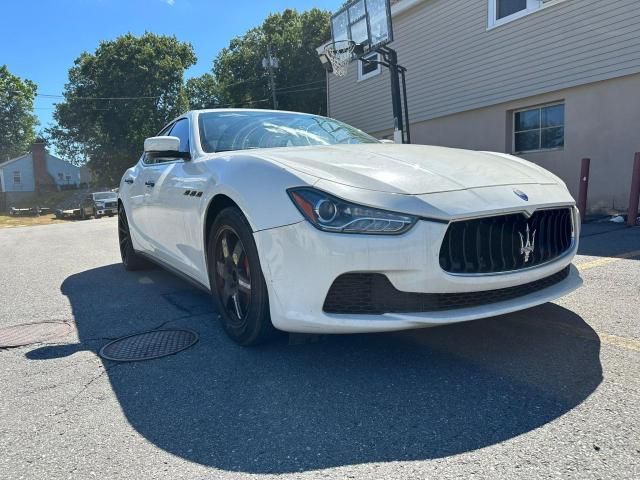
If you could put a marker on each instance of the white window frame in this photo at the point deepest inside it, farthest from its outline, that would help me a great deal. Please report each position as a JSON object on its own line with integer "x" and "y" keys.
{"x": 373, "y": 73}
{"x": 17, "y": 174}
{"x": 537, "y": 107}
{"x": 532, "y": 6}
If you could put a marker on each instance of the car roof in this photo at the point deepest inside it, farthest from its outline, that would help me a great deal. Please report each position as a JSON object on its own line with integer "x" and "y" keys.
{"x": 260, "y": 110}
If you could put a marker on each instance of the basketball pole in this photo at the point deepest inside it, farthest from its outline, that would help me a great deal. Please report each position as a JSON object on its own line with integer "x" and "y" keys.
{"x": 398, "y": 94}
{"x": 403, "y": 72}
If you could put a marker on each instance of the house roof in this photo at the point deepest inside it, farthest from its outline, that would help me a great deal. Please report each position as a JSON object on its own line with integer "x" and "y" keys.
{"x": 4, "y": 164}
{"x": 9, "y": 162}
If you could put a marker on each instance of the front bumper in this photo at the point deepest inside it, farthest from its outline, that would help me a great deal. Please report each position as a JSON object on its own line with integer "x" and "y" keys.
{"x": 107, "y": 211}
{"x": 300, "y": 264}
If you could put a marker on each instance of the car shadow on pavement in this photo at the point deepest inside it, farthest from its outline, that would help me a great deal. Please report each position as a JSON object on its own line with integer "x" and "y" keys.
{"x": 609, "y": 240}
{"x": 345, "y": 400}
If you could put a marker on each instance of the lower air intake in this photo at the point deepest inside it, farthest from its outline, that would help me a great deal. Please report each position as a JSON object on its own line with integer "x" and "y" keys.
{"x": 373, "y": 294}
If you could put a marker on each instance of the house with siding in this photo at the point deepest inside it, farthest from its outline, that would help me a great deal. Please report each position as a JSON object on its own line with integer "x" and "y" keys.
{"x": 37, "y": 172}
{"x": 552, "y": 81}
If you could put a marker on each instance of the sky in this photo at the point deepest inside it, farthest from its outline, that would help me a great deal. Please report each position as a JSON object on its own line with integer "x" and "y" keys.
{"x": 42, "y": 38}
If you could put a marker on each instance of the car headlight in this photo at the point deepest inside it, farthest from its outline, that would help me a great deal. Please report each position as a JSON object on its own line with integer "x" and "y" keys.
{"x": 331, "y": 214}
{"x": 99, "y": 204}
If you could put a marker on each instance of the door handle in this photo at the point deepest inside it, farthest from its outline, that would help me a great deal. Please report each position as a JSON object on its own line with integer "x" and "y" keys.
{"x": 128, "y": 180}
{"x": 150, "y": 183}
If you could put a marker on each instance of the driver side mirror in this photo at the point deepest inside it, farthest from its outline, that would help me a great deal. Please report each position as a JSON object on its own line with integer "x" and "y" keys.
{"x": 164, "y": 147}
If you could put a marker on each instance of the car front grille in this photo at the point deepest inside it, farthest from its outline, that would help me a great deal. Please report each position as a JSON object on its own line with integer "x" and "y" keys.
{"x": 499, "y": 243}
{"x": 110, "y": 204}
{"x": 374, "y": 294}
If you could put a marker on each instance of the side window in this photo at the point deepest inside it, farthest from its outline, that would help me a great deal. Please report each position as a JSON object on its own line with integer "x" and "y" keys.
{"x": 504, "y": 11}
{"x": 540, "y": 128}
{"x": 181, "y": 130}
{"x": 368, "y": 70}
{"x": 165, "y": 131}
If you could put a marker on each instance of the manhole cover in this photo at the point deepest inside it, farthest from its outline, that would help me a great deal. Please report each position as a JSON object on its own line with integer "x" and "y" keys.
{"x": 30, "y": 333}
{"x": 148, "y": 345}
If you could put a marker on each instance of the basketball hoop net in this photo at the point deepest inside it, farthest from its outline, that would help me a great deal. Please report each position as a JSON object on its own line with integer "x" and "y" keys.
{"x": 340, "y": 54}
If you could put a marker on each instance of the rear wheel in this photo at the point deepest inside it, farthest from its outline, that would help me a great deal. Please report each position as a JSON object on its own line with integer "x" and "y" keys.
{"x": 130, "y": 259}
{"x": 237, "y": 283}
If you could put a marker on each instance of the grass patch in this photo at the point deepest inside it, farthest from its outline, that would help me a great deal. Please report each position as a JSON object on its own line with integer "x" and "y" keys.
{"x": 7, "y": 221}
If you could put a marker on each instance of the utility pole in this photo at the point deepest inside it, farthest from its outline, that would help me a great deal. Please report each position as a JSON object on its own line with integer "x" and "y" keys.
{"x": 269, "y": 63}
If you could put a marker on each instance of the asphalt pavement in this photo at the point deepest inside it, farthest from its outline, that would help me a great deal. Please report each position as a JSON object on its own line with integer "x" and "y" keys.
{"x": 552, "y": 392}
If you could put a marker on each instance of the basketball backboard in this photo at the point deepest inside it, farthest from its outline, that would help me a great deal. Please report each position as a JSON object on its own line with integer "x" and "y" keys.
{"x": 365, "y": 22}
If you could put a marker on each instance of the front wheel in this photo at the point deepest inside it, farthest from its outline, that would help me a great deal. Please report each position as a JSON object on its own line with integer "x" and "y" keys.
{"x": 130, "y": 259}
{"x": 237, "y": 283}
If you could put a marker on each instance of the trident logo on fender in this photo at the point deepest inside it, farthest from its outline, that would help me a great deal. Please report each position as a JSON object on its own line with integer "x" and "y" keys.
{"x": 527, "y": 248}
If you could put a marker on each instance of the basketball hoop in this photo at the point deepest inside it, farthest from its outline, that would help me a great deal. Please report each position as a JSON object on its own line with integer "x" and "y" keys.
{"x": 340, "y": 54}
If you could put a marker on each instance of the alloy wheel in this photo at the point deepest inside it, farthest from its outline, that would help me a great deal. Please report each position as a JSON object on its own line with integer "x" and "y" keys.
{"x": 233, "y": 275}
{"x": 123, "y": 234}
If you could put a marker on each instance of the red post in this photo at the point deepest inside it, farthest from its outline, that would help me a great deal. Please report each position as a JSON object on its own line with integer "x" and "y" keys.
{"x": 634, "y": 196}
{"x": 583, "y": 187}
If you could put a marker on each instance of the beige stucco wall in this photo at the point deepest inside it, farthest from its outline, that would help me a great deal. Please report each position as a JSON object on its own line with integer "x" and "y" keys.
{"x": 602, "y": 122}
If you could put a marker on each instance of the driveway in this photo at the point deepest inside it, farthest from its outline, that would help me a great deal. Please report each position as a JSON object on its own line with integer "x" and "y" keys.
{"x": 552, "y": 392}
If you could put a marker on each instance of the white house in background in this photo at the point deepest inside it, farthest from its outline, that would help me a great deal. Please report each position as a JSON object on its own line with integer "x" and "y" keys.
{"x": 36, "y": 172}
{"x": 552, "y": 81}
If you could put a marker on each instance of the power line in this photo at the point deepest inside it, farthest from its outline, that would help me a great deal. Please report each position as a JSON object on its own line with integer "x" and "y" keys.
{"x": 301, "y": 90}
{"x": 301, "y": 85}
{"x": 44, "y": 95}
{"x": 284, "y": 88}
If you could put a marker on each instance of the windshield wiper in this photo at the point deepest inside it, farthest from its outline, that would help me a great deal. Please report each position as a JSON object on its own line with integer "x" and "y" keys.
{"x": 236, "y": 149}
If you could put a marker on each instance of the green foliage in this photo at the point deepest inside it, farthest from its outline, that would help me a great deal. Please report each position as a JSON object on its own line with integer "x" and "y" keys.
{"x": 203, "y": 92}
{"x": 116, "y": 97}
{"x": 293, "y": 37}
{"x": 130, "y": 87}
{"x": 17, "y": 122}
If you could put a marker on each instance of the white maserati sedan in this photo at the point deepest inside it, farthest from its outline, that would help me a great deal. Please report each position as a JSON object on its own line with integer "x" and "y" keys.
{"x": 302, "y": 223}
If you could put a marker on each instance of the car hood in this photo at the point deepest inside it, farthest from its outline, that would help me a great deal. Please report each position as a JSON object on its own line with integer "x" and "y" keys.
{"x": 409, "y": 169}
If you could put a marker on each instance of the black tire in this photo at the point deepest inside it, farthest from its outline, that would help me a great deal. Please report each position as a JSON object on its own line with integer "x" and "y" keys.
{"x": 95, "y": 214}
{"x": 130, "y": 259}
{"x": 82, "y": 214}
{"x": 244, "y": 311}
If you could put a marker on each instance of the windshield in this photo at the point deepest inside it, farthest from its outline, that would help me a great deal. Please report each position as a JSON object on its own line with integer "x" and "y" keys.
{"x": 104, "y": 196}
{"x": 236, "y": 130}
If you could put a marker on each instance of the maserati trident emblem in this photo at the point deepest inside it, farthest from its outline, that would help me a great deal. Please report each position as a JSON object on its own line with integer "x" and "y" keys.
{"x": 522, "y": 195}
{"x": 527, "y": 247}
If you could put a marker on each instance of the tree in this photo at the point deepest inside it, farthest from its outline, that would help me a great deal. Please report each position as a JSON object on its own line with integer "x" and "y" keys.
{"x": 203, "y": 92}
{"x": 17, "y": 121}
{"x": 293, "y": 38}
{"x": 116, "y": 97}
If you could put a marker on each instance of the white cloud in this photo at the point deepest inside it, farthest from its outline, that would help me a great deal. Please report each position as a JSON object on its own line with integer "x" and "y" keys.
{"x": 170, "y": 2}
